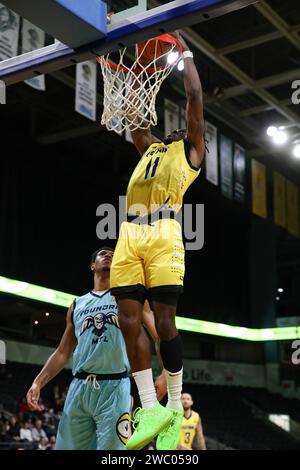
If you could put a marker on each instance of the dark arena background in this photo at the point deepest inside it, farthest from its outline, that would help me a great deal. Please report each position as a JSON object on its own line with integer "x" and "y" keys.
{"x": 239, "y": 316}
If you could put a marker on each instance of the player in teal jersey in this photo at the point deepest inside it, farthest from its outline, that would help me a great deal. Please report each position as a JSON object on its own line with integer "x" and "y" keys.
{"x": 96, "y": 410}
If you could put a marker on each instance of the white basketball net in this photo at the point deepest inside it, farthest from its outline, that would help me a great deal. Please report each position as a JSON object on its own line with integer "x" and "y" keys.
{"x": 130, "y": 92}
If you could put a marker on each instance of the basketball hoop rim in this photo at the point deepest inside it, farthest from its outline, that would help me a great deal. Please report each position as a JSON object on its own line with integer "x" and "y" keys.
{"x": 163, "y": 37}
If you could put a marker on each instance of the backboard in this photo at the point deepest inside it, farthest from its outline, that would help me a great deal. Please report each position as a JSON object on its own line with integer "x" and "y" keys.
{"x": 83, "y": 36}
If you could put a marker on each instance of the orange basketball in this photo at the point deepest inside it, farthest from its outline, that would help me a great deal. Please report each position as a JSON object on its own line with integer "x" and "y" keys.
{"x": 153, "y": 48}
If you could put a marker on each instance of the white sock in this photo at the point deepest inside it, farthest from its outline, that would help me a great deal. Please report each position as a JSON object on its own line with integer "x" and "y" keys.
{"x": 174, "y": 383}
{"x": 145, "y": 385}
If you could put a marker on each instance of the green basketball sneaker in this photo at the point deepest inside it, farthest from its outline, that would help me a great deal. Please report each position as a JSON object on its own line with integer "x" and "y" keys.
{"x": 147, "y": 423}
{"x": 169, "y": 438}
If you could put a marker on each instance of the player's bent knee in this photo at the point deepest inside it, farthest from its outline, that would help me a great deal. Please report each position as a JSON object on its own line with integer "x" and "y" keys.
{"x": 166, "y": 327}
{"x": 130, "y": 325}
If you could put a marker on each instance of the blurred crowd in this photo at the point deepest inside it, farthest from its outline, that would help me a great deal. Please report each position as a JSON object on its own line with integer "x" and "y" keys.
{"x": 33, "y": 430}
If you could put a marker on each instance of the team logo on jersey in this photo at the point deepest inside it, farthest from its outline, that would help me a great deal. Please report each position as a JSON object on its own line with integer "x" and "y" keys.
{"x": 122, "y": 427}
{"x": 99, "y": 322}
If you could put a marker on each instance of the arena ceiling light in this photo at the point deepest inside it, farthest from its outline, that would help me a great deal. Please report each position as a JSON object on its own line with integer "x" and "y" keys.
{"x": 277, "y": 134}
{"x": 271, "y": 131}
{"x": 62, "y": 299}
{"x": 172, "y": 57}
{"x": 180, "y": 66}
{"x": 280, "y": 138}
{"x": 296, "y": 151}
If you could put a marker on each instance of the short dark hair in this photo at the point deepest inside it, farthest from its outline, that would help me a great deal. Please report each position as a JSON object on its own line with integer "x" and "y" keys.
{"x": 94, "y": 255}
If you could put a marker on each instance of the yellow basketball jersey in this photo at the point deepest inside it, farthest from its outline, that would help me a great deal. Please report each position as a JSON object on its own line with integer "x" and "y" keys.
{"x": 162, "y": 176}
{"x": 188, "y": 429}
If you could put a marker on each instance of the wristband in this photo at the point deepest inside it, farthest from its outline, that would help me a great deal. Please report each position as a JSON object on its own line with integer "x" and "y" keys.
{"x": 187, "y": 54}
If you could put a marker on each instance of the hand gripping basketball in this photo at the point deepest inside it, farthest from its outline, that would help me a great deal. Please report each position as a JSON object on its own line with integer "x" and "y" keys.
{"x": 152, "y": 49}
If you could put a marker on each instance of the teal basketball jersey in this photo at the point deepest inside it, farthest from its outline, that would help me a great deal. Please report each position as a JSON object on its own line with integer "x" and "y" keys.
{"x": 100, "y": 345}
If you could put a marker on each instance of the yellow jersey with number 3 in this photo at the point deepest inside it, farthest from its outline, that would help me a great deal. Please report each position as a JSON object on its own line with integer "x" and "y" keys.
{"x": 188, "y": 429}
{"x": 162, "y": 176}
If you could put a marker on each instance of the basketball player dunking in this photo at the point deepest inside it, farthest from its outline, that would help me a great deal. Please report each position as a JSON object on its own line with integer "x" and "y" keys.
{"x": 149, "y": 260}
{"x": 96, "y": 410}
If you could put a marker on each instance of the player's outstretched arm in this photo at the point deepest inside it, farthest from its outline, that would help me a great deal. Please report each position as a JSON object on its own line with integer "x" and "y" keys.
{"x": 194, "y": 107}
{"x": 56, "y": 362}
{"x": 142, "y": 139}
{"x": 149, "y": 323}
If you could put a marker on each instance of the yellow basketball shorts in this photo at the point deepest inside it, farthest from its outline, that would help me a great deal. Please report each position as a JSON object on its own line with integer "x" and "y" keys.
{"x": 150, "y": 256}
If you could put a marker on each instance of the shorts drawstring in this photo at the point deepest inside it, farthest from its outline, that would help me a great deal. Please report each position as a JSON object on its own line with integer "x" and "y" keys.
{"x": 92, "y": 378}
